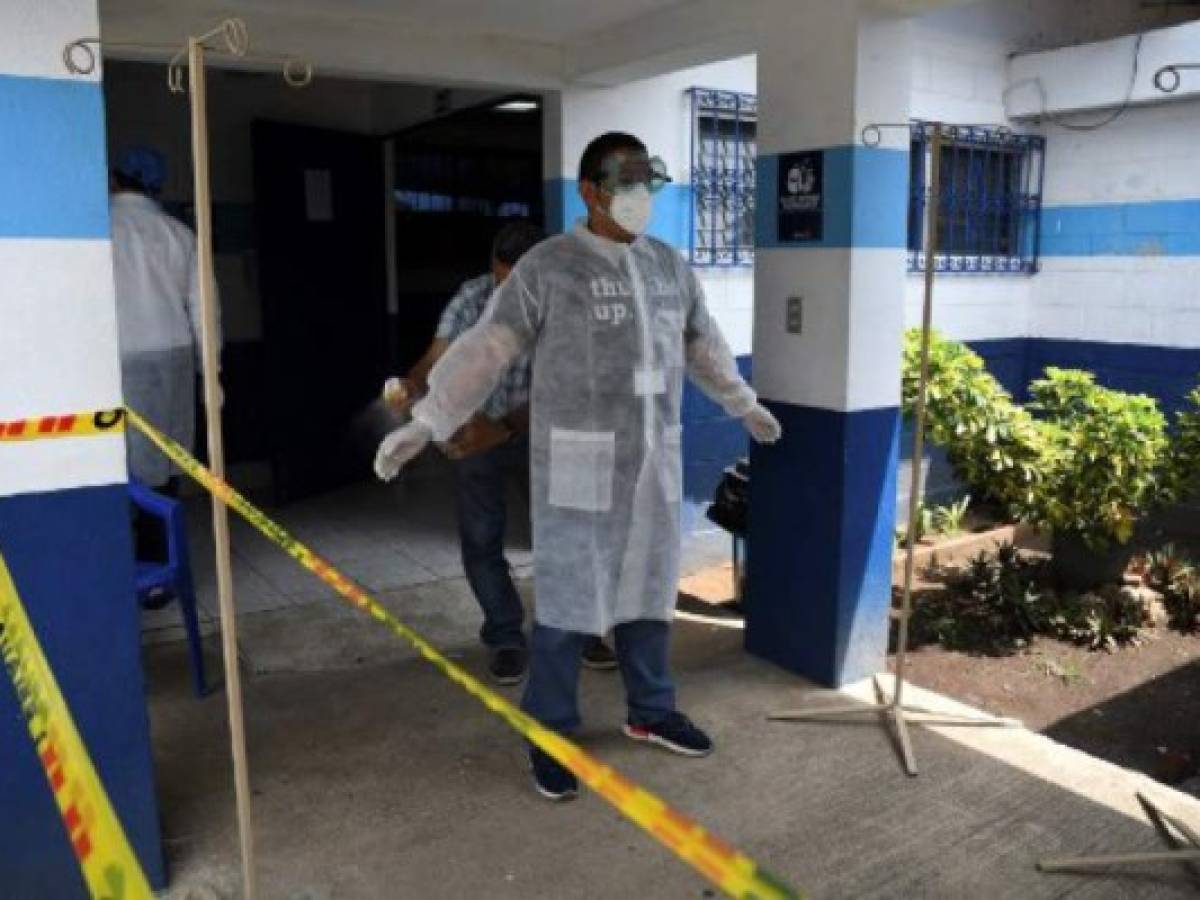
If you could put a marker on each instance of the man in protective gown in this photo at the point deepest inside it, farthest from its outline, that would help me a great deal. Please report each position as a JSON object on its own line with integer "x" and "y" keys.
{"x": 613, "y": 319}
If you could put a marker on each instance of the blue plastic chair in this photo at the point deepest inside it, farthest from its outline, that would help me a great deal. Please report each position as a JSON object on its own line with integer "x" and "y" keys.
{"x": 174, "y": 575}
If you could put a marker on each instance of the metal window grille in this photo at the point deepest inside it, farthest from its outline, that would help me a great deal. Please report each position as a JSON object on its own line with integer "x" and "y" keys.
{"x": 724, "y": 132}
{"x": 991, "y": 199}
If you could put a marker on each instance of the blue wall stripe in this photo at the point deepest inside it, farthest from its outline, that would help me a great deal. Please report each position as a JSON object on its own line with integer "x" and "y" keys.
{"x": 865, "y": 195}
{"x": 822, "y": 513}
{"x": 1157, "y": 228}
{"x": 670, "y": 221}
{"x": 72, "y": 562}
{"x": 53, "y": 177}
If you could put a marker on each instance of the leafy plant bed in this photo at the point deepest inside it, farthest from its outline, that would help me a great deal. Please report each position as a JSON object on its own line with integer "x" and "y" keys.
{"x": 995, "y": 634}
{"x": 954, "y": 549}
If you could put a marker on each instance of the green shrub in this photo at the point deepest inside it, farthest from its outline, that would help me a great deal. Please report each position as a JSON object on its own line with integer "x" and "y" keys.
{"x": 1184, "y": 468}
{"x": 993, "y": 444}
{"x": 999, "y": 602}
{"x": 1106, "y": 456}
{"x": 995, "y": 605}
{"x": 1176, "y": 577}
{"x": 951, "y": 518}
{"x": 1080, "y": 459}
{"x": 1104, "y": 620}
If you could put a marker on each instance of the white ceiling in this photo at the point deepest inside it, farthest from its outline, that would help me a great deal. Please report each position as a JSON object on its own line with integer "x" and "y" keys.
{"x": 532, "y": 44}
{"x": 553, "y": 21}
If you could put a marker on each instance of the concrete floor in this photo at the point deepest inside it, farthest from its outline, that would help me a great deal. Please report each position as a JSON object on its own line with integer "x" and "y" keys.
{"x": 375, "y": 777}
{"x": 382, "y": 780}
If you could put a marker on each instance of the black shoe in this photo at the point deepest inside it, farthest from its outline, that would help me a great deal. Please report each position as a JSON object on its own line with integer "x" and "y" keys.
{"x": 550, "y": 779}
{"x": 675, "y": 733}
{"x": 597, "y": 655}
{"x": 507, "y": 664}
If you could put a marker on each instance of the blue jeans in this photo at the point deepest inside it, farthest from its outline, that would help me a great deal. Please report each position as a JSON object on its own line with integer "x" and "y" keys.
{"x": 479, "y": 483}
{"x": 552, "y": 694}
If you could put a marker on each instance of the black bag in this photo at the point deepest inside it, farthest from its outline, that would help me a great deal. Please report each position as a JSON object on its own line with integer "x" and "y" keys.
{"x": 731, "y": 503}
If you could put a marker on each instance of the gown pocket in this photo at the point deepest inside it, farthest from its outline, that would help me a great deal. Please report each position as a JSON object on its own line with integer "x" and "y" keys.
{"x": 581, "y": 469}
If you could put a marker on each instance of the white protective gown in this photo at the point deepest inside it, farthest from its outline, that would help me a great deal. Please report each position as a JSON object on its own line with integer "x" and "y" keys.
{"x": 612, "y": 328}
{"x": 158, "y": 317}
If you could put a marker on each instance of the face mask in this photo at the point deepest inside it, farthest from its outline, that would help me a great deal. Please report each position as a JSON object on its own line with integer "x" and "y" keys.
{"x": 631, "y": 209}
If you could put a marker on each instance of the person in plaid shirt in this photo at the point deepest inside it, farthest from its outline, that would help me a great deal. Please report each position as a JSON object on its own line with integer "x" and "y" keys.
{"x": 494, "y": 443}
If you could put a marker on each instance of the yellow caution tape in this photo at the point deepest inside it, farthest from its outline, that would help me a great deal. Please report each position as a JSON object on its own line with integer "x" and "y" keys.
{"x": 101, "y": 421}
{"x": 724, "y": 866}
{"x": 110, "y": 868}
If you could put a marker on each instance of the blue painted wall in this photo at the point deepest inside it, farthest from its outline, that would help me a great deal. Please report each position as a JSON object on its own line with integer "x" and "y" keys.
{"x": 50, "y": 159}
{"x": 71, "y": 559}
{"x": 827, "y": 506}
{"x": 670, "y": 221}
{"x": 1163, "y": 228}
{"x": 854, "y": 180}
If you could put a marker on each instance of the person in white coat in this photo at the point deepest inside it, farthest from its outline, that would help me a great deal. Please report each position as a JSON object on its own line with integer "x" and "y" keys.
{"x": 614, "y": 320}
{"x": 158, "y": 318}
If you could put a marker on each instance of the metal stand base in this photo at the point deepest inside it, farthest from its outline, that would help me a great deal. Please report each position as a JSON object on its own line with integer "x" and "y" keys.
{"x": 1183, "y": 841}
{"x": 898, "y": 716}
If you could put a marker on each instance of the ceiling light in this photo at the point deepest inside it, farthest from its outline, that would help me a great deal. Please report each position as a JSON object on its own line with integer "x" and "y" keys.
{"x": 517, "y": 106}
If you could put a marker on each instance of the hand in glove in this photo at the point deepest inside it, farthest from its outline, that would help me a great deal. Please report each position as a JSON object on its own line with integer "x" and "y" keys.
{"x": 763, "y": 427}
{"x": 399, "y": 447}
{"x": 400, "y": 394}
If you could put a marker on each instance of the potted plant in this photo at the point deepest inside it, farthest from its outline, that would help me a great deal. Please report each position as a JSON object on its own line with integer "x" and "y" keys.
{"x": 1085, "y": 462}
{"x": 1106, "y": 468}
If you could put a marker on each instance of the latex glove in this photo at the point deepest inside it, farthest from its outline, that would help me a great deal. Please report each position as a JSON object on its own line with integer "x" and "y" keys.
{"x": 399, "y": 447}
{"x": 763, "y": 427}
{"x": 400, "y": 394}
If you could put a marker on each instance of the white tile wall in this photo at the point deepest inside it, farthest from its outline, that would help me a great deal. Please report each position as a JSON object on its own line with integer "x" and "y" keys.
{"x": 32, "y": 36}
{"x": 847, "y": 356}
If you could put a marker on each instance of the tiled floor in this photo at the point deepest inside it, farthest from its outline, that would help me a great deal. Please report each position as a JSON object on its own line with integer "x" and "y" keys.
{"x": 395, "y": 540}
{"x": 386, "y": 537}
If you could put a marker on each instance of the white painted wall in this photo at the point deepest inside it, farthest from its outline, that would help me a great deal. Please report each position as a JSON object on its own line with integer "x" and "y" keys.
{"x": 658, "y": 111}
{"x": 959, "y": 76}
{"x": 1099, "y": 75}
{"x": 1148, "y": 154}
{"x": 58, "y": 341}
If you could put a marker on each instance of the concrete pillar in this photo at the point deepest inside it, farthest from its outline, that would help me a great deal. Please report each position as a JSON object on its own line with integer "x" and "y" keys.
{"x": 829, "y": 314}
{"x": 64, "y": 513}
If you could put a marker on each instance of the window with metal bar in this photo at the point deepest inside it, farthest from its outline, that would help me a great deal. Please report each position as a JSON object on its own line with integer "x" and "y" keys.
{"x": 724, "y": 132}
{"x": 991, "y": 198}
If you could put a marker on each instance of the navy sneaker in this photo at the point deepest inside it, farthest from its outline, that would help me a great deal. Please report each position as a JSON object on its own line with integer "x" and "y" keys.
{"x": 598, "y": 656}
{"x": 675, "y": 733}
{"x": 550, "y": 779}
{"x": 507, "y": 665}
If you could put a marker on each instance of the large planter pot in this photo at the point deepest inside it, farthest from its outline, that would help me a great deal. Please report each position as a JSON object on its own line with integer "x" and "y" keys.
{"x": 1078, "y": 567}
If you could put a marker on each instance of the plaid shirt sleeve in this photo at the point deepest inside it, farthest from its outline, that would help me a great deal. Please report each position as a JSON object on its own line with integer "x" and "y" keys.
{"x": 464, "y": 310}
{"x": 461, "y": 313}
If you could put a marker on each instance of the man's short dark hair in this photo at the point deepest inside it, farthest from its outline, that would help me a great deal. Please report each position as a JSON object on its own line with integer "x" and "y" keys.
{"x": 514, "y": 240}
{"x": 591, "y": 164}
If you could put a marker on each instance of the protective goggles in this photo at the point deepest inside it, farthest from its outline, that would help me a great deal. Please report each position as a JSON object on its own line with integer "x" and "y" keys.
{"x": 624, "y": 170}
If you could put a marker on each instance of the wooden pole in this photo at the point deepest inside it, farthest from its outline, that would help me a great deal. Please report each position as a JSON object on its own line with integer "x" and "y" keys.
{"x": 918, "y": 451}
{"x": 894, "y": 709}
{"x": 216, "y": 456}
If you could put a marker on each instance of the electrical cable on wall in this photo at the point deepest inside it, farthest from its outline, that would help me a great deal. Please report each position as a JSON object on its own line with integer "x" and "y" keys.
{"x": 1089, "y": 126}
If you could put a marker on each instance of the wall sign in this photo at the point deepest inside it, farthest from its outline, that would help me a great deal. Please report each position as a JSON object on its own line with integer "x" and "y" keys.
{"x": 801, "y": 197}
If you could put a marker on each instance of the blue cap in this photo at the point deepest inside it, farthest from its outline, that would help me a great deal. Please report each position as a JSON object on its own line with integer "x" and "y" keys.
{"x": 145, "y": 165}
